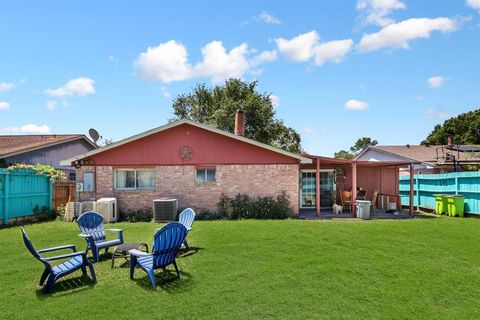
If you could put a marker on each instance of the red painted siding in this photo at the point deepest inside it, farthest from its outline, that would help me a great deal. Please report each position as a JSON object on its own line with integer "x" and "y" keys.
{"x": 163, "y": 148}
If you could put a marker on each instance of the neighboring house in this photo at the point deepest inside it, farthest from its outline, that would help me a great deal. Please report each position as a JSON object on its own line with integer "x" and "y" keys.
{"x": 432, "y": 158}
{"x": 44, "y": 149}
{"x": 195, "y": 163}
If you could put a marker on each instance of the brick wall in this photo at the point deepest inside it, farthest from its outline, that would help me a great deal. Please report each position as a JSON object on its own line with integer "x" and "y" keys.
{"x": 179, "y": 182}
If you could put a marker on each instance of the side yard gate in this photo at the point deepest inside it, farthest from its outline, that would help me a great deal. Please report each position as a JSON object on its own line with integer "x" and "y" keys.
{"x": 426, "y": 185}
{"x": 21, "y": 192}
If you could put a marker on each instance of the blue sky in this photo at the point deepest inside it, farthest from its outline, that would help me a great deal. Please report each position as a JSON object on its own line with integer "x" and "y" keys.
{"x": 338, "y": 70}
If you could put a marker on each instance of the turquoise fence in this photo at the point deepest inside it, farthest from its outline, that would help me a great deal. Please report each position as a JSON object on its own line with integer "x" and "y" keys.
{"x": 425, "y": 185}
{"x": 21, "y": 192}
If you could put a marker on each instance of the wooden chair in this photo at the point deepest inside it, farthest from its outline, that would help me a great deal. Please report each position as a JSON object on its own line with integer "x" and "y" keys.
{"x": 167, "y": 241}
{"x": 346, "y": 199}
{"x": 71, "y": 262}
{"x": 91, "y": 225}
{"x": 374, "y": 201}
{"x": 186, "y": 218}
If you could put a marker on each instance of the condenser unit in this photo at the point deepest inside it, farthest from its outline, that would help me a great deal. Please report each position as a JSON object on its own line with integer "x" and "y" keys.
{"x": 164, "y": 210}
{"x": 107, "y": 207}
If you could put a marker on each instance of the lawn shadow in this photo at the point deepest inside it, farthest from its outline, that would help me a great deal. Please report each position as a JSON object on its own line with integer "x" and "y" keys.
{"x": 183, "y": 253}
{"x": 67, "y": 287}
{"x": 167, "y": 281}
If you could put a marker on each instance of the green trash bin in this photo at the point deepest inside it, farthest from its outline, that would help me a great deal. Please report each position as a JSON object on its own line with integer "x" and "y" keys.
{"x": 456, "y": 205}
{"x": 440, "y": 203}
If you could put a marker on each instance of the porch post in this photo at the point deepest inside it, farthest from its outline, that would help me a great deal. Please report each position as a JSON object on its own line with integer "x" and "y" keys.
{"x": 317, "y": 187}
{"x": 412, "y": 191}
{"x": 354, "y": 187}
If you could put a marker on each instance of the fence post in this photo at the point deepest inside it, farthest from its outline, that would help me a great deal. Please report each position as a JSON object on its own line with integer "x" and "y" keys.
{"x": 50, "y": 193}
{"x": 417, "y": 189}
{"x": 5, "y": 198}
{"x": 456, "y": 185}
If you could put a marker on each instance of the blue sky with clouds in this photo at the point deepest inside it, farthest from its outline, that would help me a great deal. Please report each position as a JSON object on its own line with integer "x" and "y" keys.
{"x": 337, "y": 70}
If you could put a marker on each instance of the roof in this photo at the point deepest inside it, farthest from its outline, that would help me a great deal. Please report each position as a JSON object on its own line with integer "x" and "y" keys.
{"x": 420, "y": 153}
{"x": 11, "y": 145}
{"x": 362, "y": 162}
{"x": 170, "y": 125}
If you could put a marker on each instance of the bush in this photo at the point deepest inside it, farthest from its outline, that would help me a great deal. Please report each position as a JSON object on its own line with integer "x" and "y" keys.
{"x": 59, "y": 212}
{"x": 144, "y": 215}
{"x": 210, "y": 215}
{"x": 42, "y": 214}
{"x": 242, "y": 206}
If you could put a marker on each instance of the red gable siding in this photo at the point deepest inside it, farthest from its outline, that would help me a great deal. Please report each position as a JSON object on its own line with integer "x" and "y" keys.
{"x": 163, "y": 148}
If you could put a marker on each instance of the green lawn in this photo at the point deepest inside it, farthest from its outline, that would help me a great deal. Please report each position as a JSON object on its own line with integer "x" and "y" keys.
{"x": 292, "y": 269}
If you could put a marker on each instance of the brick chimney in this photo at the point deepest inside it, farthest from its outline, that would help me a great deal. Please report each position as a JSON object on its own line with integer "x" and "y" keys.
{"x": 239, "y": 122}
{"x": 450, "y": 138}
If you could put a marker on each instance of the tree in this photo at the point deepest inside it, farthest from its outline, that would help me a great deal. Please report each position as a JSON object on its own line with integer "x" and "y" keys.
{"x": 217, "y": 106}
{"x": 359, "y": 145}
{"x": 465, "y": 126}
{"x": 363, "y": 143}
{"x": 344, "y": 154}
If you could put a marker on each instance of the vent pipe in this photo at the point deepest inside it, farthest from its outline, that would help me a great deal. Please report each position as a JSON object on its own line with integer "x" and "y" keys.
{"x": 239, "y": 123}
{"x": 450, "y": 139}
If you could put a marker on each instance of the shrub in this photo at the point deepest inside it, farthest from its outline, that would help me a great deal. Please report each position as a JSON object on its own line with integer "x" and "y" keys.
{"x": 144, "y": 215}
{"x": 210, "y": 215}
{"x": 242, "y": 206}
{"x": 59, "y": 212}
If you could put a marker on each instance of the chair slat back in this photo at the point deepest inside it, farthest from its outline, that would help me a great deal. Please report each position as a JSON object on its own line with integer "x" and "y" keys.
{"x": 167, "y": 241}
{"x": 29, "y": 245}
{"x": 346, "y": 196}
{"x": 91, "y": 222}
{"x": 187, "y": 217}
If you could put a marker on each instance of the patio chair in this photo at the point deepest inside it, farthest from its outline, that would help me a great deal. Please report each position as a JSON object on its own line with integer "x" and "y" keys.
{"x": 186, "y": 218}
{"x": 346, "y": 199}
{"x": 76, "y": 260}
{"x": 91, "y": 225}
{"x": 374, "y": 201}
{"x": 167, "y": 241}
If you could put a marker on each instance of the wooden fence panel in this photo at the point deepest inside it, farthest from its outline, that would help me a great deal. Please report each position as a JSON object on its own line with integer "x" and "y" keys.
{"x": 63, "y": 192}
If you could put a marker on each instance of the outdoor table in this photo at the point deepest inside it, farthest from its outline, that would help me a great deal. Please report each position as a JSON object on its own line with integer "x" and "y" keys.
{"x": 122, "y": 250}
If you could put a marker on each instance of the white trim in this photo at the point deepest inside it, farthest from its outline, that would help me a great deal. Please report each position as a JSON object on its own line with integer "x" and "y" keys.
{"x": 175, "y": 124}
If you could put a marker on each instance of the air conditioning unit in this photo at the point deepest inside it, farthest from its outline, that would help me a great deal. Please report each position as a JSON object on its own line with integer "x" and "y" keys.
{"x": 87, "y": 206}
{"x": 72, "y": 211}
{"x": 107, "y": 207}
{"x": 164, "y": 210}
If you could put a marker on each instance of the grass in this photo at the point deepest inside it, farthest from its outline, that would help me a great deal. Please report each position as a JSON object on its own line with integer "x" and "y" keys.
{"x": 422, "y": 268}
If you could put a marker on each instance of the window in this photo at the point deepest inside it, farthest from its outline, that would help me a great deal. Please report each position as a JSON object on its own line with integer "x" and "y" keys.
{"x": 88, "y": 182}
{"x": 134, "y": 179}
{"x": 205, "y": 175}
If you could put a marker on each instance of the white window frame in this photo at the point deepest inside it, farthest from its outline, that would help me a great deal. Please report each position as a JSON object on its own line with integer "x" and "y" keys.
{"x": 135, "y": 178}
{"x": 88, "y": 182}
{"x": 206, "y": 175}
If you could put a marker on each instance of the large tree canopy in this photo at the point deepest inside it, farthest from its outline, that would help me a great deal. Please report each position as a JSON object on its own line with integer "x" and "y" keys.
{"x": 217, "y": 106}
{"x": 359, "y": 145}
{"x": 465, "y": 126}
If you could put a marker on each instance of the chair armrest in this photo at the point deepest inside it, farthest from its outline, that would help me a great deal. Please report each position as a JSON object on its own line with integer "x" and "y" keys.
{"x": 64, "y": 256}
{"x": 188, "y": 229}
{"x": 68, "y": 246}
{"x": 138, "y": 253}
{"x": 85, "y": 235}
{"x": 114, "y": 230}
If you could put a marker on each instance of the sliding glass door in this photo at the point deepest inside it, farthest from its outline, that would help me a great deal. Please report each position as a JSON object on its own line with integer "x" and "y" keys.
{"x": 308, "y": 189}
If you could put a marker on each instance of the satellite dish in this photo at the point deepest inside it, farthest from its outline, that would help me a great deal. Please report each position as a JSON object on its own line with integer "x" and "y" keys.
{"x": 94, "y": 135}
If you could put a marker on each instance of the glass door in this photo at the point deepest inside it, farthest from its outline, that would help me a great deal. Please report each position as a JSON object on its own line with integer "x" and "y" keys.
{"x": 327, "y": 188}
{"x": 308, "y": 194}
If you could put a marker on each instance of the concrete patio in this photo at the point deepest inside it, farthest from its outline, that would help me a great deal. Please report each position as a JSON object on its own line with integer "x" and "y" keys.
{"x": 327, "y": 213}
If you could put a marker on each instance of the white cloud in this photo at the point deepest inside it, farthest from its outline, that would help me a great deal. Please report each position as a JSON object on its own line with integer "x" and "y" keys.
{"x": 275, "y": 100}
{"x": 5, "y": 86}
{"x": 168, "y": 62}
{"x": 353, "y": 104}
{"x": 474, "y": 4}
{"x": 377, "y": 11}
{"x": 306, "y": 46}
{"x": 27, "y": 129}
{"x": 76, "y": 87}
{"x": 164, "y": 92}
{"x": 400, "y": 34}
{"x": 51, "y": 105}
{"x": 299, "y": 48}
{"x": 333, "y": 51}
{"x": 436, "y": 82}
{"x": 267, "y": 18}
{"x": 308, "y": 130}
{"x": 4, "y": 105}
{"x": 434, "y": 114}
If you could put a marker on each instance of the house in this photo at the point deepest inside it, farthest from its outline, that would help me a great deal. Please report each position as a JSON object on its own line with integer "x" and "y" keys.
{"x": 430, "y": 158}
{"x": 45, "y": 149}
{"x": 196, "y": 163}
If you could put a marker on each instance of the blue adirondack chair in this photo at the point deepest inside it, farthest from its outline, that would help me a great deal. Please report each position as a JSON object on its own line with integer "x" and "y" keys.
{"x": 91, "y": 225}
{"x": 167, "y": 241}
{"x": 76, "y": 260}
{"x": 186, "y": 218}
